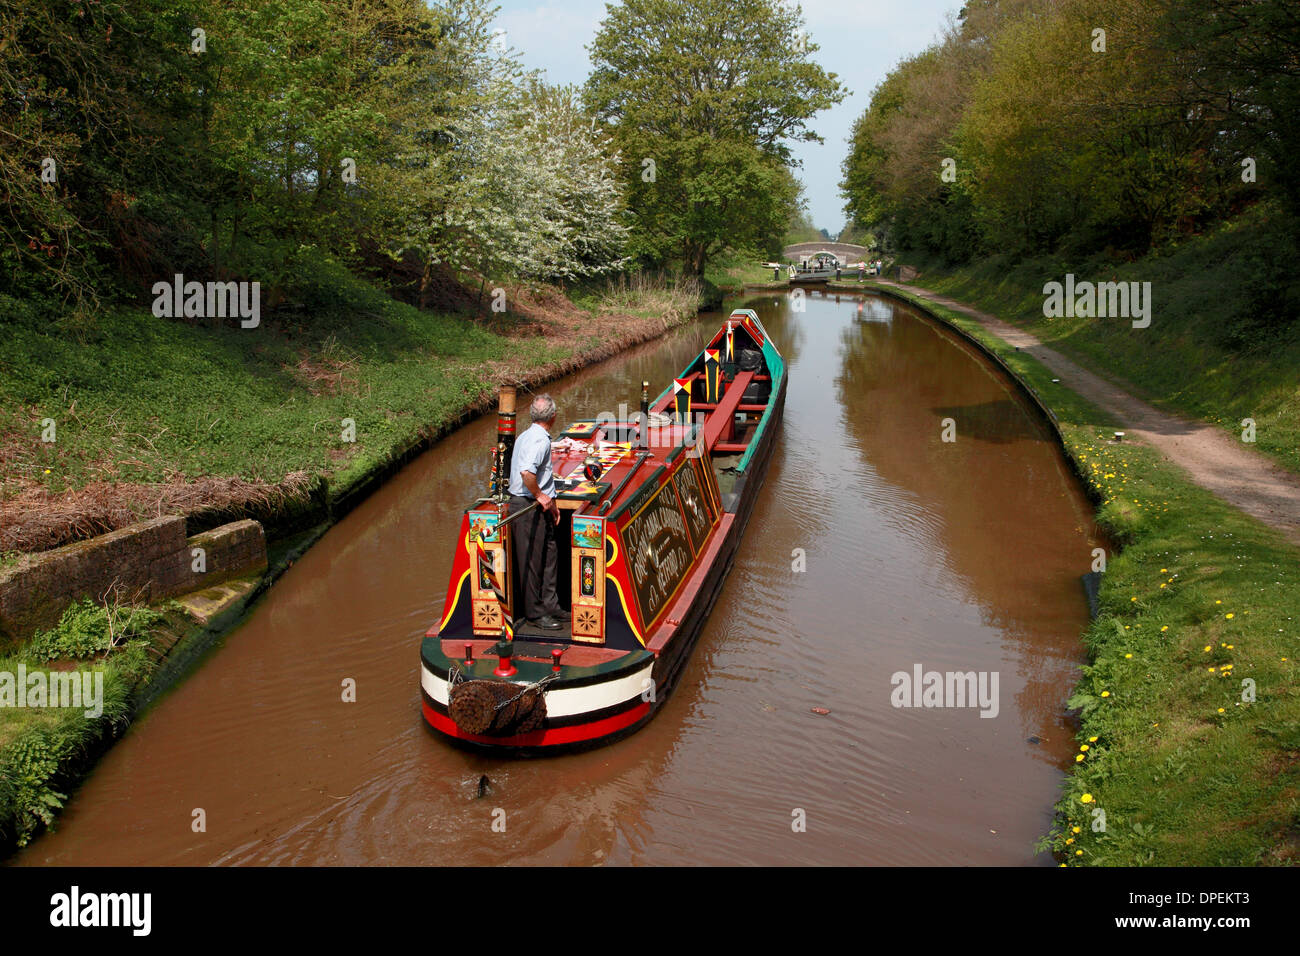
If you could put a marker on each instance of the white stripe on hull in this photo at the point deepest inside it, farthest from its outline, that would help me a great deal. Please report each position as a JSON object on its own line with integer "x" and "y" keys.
{"x": 564, "y": 701}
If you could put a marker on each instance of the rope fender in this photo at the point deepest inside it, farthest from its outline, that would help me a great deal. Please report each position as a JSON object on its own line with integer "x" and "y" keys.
{"x": 496, "y": 708}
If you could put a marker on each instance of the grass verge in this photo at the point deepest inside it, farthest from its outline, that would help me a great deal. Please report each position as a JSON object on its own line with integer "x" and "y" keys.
{"x": 1189, "y": 706}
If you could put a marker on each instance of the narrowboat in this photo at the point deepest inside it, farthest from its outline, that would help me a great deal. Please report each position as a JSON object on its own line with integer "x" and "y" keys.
{"x": 652, "y": 508}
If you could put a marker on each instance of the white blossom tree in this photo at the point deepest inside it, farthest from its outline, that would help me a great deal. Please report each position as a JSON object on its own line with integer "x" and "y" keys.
{"x": 528, "y": 188}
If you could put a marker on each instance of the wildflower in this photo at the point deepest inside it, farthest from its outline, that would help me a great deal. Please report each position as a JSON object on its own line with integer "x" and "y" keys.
{"x": 1220, "y": 710}
{"x": 1078, "y": 853}
{"x": 1086, "y": 798}
{"x": 1076, "y": 830}
{"x": 1083, "y": 747}
{"x": 1229, "y": 616}
{"x": 1105, "y": 693}
{"x": 1078, "y": 758}
{"x": 1092, "y": 740}
{"x": 1128, "y": 656}
{"x": 1165, "y": 628}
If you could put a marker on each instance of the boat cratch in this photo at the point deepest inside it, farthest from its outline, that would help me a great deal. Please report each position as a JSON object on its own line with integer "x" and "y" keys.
{"x": 652, "y": 508}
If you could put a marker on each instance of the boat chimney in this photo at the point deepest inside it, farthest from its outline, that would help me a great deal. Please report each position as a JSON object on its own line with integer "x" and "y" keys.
{"x": 645, "y": 399}
{"x": 506, "y": 419}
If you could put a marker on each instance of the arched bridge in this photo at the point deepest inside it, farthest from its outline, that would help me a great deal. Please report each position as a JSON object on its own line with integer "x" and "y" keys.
{"x": 846, "y": 251}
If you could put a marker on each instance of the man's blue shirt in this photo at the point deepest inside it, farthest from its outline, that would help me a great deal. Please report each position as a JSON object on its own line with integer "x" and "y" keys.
{"x": 532, "y": 453}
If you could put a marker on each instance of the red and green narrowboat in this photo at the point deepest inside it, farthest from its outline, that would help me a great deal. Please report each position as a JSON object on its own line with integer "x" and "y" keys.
{"x": 653, "y": 509}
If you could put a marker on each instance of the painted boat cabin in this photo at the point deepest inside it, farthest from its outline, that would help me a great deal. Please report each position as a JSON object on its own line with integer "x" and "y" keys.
{"x": 644, "y": 524}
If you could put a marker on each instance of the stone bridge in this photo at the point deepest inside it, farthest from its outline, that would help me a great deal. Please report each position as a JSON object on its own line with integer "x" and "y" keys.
{"x": 846, "y": 251}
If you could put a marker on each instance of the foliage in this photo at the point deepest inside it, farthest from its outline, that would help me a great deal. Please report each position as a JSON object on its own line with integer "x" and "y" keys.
{"x": 246, "y": 140}
{"x": 87, "y": 629}
{"x": 702, "y": 100}
{"x": 1064, "y": 141}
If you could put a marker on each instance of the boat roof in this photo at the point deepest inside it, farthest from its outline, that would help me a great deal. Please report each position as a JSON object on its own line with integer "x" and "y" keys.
{"x": 664, "y": 446}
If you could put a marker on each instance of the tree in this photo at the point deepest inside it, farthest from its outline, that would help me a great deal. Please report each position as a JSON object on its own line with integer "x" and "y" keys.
{"x": 702, "y": 99}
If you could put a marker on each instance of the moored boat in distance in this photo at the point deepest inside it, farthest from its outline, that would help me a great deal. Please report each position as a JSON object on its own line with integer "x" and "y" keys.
{"x": 653, "y": 509}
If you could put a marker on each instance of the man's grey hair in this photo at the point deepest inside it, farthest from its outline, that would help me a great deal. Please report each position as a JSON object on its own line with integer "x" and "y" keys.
{"x": 542, "y": 409}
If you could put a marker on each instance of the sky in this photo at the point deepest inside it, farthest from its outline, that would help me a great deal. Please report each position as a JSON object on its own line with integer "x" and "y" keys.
{"x": 859, "y": 40}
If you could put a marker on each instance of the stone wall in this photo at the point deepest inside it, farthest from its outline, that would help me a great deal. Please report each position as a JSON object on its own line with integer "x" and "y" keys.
{"x": 143, "y": 563}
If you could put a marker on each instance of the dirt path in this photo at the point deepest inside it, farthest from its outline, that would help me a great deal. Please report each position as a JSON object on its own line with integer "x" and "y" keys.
{"x": 1215, "y": 460}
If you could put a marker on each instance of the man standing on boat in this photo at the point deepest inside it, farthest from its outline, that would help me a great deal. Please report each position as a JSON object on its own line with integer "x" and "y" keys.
{"x": 536, "y": 548}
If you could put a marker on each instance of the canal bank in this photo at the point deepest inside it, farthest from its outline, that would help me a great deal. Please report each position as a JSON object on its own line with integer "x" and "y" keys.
{"x": 45, "y": 752}
{"x": 1189, "y": 710}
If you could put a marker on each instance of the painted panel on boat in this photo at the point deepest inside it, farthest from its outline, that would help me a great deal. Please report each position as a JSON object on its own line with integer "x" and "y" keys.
{"x": 659, "y": 551}
{"x": 695, "y": 506}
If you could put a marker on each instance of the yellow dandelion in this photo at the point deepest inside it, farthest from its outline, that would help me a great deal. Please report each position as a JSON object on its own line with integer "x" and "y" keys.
{"x": 1165, "y": 628}
{"x": 1076, "y": 830}
{"x": 1083, "y": 747}
{"x": 1078, "y": 758}
{"x": 1128, "y": 657}
{"x": 1092, "y": 740}
{"x": 1105, "y": 693}
{"x": 1229, "y": 616}
{"x": 1220, "y": 710}
{"x": 1086, "y": 798}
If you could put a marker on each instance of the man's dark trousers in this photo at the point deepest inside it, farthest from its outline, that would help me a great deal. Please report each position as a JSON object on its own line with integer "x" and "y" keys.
{"x": 536, "y": 553}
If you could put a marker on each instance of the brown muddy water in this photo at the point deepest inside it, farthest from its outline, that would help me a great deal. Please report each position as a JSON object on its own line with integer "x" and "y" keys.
{"x": 961, "y": 556}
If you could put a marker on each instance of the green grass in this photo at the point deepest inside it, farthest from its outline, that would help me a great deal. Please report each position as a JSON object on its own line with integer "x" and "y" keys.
{"x": 144, "y": 399}
{"x": 1202, "y": 356}
{"x": 1186, "y": 772}
{"x": 42, "y": 749}
{"x": 731, "y": 271}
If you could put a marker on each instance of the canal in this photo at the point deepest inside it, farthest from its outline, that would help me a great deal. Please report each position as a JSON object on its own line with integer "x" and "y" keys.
{"x": 874, "y": 547}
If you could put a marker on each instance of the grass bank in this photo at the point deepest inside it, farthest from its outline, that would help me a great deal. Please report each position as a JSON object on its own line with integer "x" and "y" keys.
{"x": 1189, "y": 706}
{"x": 140, "y": 415}
{"x": 47, "y": 738}
{"x": 732, "y": 271}
{"x": 1222, "y": 345}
